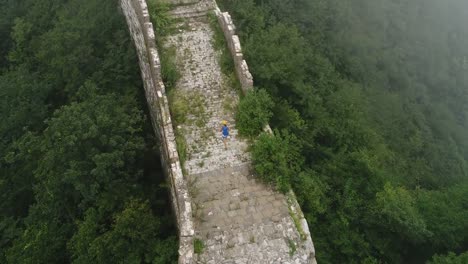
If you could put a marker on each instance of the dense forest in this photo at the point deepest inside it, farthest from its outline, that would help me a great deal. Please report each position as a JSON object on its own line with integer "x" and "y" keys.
{"x": 371, "y": 118}
{"x": 80, "y": 176}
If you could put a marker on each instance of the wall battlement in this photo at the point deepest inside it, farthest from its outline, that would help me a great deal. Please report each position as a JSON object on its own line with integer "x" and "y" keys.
{"x": 242, "y": 70}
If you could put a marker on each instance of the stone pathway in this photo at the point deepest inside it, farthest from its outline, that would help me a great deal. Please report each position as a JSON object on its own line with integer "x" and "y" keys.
{"x": 238, "y": 219}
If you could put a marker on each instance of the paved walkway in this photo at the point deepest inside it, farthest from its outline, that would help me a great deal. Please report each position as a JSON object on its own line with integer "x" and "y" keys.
{"x": 238, "y": 219}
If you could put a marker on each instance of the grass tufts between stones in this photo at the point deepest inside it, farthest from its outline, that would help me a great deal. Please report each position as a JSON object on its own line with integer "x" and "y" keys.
{"x": 292, "y": 247}
{"x": 170, "y": 73}
{"x": 198, "y": 246}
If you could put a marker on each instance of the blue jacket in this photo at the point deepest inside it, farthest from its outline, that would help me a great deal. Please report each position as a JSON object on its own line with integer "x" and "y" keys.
{"x": 225, "y": 131}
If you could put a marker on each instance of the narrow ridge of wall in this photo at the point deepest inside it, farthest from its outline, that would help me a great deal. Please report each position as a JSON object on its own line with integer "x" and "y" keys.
{"x": 242, "y": 70}
{"x": 141, "y": 29}
{"x": 246, "y": 80}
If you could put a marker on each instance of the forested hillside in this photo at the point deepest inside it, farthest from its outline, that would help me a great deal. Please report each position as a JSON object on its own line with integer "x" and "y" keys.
{"x": 374, "y": 95}
{"x": 80, "y": 179}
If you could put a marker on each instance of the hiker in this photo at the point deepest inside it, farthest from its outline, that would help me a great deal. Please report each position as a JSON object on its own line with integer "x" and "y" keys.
{"x": 225, "y": 133}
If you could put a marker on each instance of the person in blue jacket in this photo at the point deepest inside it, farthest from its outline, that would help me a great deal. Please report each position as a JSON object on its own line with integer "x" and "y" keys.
{"x": 225, "y": 133}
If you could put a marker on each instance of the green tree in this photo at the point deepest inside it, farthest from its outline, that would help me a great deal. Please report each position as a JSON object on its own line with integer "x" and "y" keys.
{"x": 133, "y": 237}
{"x": 108, "y": 130}
{"x": 254, "y": 112}
{"x": 397, "y": 210}
{"x": 280, "y": 64}
{"x": 450, "y": 258}
{"x": 277, "y": 159}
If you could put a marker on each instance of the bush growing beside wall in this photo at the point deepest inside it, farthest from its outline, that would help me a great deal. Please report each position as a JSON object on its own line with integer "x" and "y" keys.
{"x": 169, "y": 71}
{"x": 159, "y": 13}
{"x": 277, "y": 159}
{"x": 254, "y": 112}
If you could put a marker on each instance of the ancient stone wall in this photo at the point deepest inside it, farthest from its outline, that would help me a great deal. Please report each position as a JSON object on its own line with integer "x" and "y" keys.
{"x": 242, "y": 70}
{"x": 141, "y": 29}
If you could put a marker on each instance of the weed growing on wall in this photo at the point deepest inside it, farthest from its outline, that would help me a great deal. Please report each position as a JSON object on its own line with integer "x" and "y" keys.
{"x": 181, "y": 147}
{"x": 163, "y": 25}
{"x": 170, "y": 73}
{"x": 198, "y": 246}
{"x": 179, "y": 106}
{"x": 292, "y": 247}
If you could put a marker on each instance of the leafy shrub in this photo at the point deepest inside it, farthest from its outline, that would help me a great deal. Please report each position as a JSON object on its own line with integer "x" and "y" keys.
{"x": 254, "y": 112}
{"x": 399, "y": 212}
{"x": 277, "y": 159}
{"x": 179, "y": 106}
{"x": 169, "y": 72}
{"x": 311, "y": 193}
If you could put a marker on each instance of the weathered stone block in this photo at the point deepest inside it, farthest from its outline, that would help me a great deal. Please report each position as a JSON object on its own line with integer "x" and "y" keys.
{"x": 236, "y": 44}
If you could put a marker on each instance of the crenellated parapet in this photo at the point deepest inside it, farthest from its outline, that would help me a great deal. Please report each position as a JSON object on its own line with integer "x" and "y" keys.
{"x": 229, "y": 30}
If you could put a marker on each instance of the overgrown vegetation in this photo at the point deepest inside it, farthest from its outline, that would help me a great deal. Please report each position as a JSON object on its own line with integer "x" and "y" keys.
{"x": 186, "y": 109}
{"x": 181, "y": 145}
{"x": 254, "y": 112}
{"x": 292, "y": 247}
{"x": 198, "y": 246}
{"x": 450, "y": 258}
{"x": 80, "y": 179}
{"x": 163, "y": 23}
{"x": 180, "y": 108}
{"x": 169, "y": 72}
{"x": 277, "y": 159}
{"x": 294, "y": 215}
{"x": 179, "y": 105}
{"x": 375, "y": 93}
